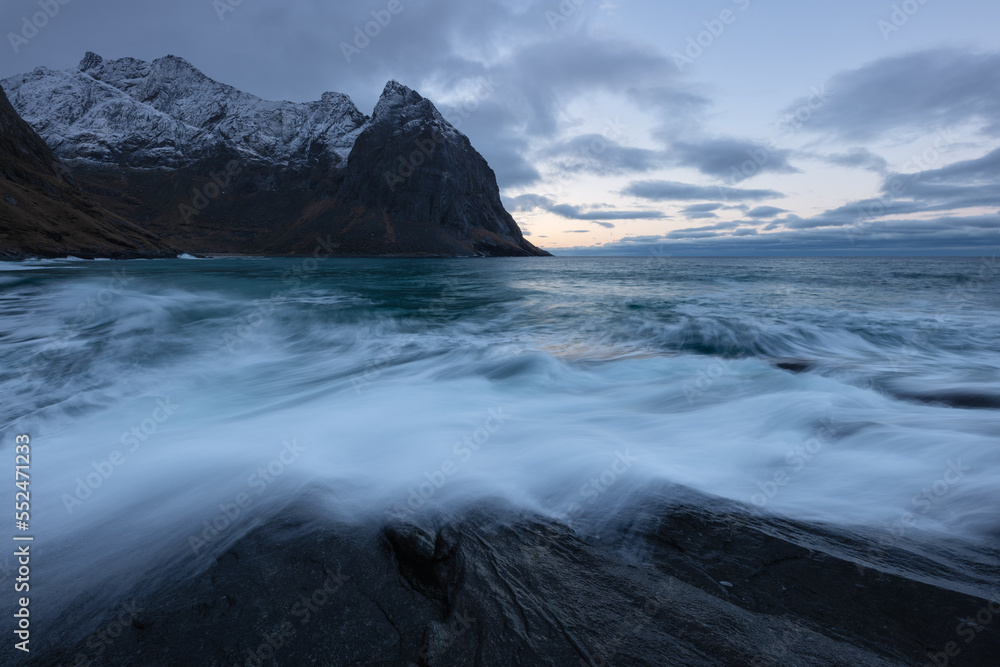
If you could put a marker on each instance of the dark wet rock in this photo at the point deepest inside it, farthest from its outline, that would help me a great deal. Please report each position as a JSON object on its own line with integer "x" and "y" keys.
{"x": 953, "y": 399}
{"x": 497, "y": 587}
{"x": 793, "y": 365}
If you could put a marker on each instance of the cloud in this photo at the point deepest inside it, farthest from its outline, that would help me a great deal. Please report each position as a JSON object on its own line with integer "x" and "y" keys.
{"x": 597, "y": 154}
{"x": 703, "y": 208}
{"x": 967, "y": 184}
{"x": 859, "y": 158}
{"x": 676, "y": 191}
{"x": 678, "y": 110}
{"x": 708, "y": 228}
{"x": 985, "y": 169}
{"x": 969, "y": 236}
{"x": 732, "y": 159}
{"x": 701, "y": 211}
{"x": 576, "y": 213}
{"x": 598, "y": 216}
{"x": 526, "y": 202}
{"x": 764, "y": 212}
{"x": 680, "y": 234}
{"x": 912, "y": 94}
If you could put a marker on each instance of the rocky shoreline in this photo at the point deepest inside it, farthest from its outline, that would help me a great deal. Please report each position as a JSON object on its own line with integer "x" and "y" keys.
{"x": 686, "y": 580}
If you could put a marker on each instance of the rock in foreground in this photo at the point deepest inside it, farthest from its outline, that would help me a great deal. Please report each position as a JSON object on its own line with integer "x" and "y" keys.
{"x": 685, "y": 584}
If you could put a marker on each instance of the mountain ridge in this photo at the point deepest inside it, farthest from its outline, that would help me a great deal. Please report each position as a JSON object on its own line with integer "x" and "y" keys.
{"x": 146, "y": 139}
{"x": 45, "y": 213}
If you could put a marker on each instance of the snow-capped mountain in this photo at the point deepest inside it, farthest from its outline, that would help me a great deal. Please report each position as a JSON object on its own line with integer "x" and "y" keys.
{"x": 45, "y": 213}
{"x": 209, "y": 168}
{"x": 168, "y": 114}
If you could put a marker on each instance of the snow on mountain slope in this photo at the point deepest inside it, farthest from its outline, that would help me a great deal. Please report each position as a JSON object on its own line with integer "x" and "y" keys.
{"x": 168, "y": 114}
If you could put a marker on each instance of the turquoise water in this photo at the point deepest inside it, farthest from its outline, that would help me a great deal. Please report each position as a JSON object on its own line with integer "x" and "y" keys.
{"x": 167, "y": 397}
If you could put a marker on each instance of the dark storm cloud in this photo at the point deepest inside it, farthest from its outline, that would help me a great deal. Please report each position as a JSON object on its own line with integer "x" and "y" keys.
{"x": 913, "y": 93}
{"x": 724, "y": 157}
{"x": 441, "y": 48}
{"x": 676, "y": 191}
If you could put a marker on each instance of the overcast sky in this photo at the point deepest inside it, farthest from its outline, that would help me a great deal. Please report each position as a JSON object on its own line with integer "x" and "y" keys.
{"x": 634, "y": 127}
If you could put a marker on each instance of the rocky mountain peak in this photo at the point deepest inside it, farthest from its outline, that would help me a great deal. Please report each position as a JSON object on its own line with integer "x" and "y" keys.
{"x": 400, "y": 104}
{"x": 89, "y": 61}
{"x": 394, "y": 96}
{"x": 402, "y": 181}
{"x": 167, "y": 113}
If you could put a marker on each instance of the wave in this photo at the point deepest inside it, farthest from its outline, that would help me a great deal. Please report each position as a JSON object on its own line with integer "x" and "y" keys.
{"x": 174, "y": 409}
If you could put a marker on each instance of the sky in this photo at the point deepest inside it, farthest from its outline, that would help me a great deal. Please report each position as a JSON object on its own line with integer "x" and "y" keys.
{"x": 704, "y": 127}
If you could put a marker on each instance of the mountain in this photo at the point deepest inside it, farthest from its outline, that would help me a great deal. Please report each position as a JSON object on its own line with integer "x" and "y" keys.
{"x": 166, "y": 113}
{"x": 44, "y": 212}
{"x": 212, "y": 169}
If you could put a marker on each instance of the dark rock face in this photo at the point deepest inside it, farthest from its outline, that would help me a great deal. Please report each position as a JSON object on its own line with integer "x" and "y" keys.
{"x": 411, "y": 164}
{"x": 689, "y": 581}
{"x": 148, "y": 140}
{"x": 45, "y": 213}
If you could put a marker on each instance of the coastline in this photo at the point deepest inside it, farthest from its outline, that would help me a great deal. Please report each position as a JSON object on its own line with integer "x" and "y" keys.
{"x": 686, "y": 579}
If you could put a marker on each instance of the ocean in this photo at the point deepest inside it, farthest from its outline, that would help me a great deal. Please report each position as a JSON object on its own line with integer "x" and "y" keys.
{"x": 174, "y": 405}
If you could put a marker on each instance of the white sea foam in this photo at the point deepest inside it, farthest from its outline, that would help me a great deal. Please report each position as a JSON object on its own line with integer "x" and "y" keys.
{"x": 395, "y": 389}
